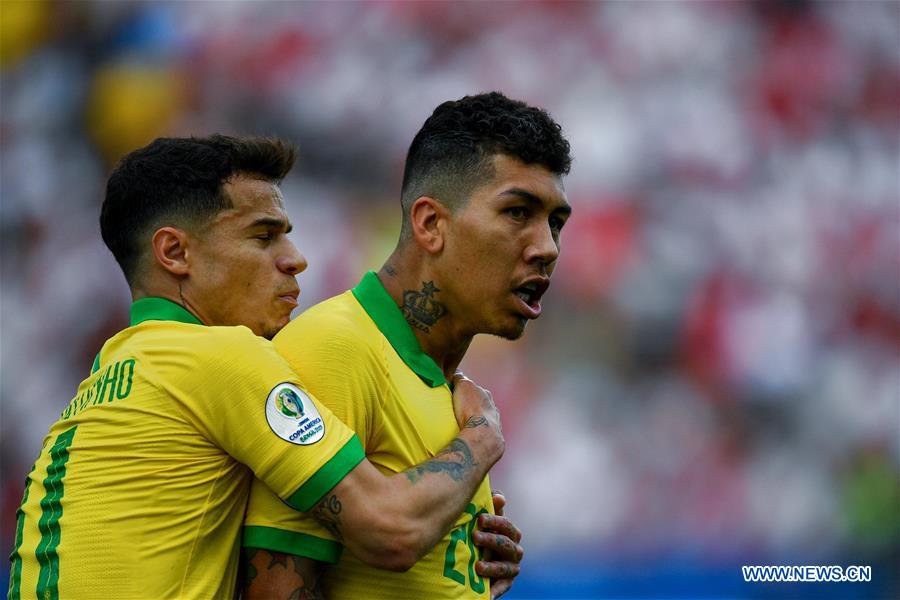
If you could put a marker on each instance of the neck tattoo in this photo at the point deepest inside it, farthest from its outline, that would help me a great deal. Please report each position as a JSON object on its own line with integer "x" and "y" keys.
{"x": 421, "y": 309}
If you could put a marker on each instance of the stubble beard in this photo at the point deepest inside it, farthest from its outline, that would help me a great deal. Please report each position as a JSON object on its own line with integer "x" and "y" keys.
{"x": 270, "y": 331}
{"x": 512, "y": 333}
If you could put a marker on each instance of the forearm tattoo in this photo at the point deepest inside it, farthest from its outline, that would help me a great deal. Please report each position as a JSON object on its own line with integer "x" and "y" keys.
{"x": 278, "y": 559}
{"x": 455, "y": 460}
{"x": 307, "y": 588}
{"x": 421, "y": 309}
{"x": 328, "y": 513}
{"x": 302, "y": 582}
{"x": 247, "y": 571}
{"x": 303, "y": 593}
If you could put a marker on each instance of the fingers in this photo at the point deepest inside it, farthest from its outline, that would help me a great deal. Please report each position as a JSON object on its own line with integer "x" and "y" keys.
{"x": 499, "y": 538}
{"x": 499, "y": 524}
{"x": 459, "y": 376}
{"x": 497, "y": 570}
{"x": 500, "y": 587}
{"x": 498, "y": 547}
{"x": 466, "y": 401}
{"x": 499, "y": 502}
{"x": 474, "y": 406}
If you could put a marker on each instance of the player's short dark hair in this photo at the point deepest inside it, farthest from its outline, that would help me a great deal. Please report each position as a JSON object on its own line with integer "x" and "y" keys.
{"x": 178, "y": 181}
{"x": 453, "y": 151}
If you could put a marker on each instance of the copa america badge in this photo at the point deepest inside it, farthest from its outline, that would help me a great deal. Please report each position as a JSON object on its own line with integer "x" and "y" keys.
{"x": 293, "y": 416}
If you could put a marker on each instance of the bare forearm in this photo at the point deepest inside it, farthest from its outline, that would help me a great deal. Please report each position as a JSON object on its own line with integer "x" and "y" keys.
{"x": 391, "y": 522}
{"x": 438, "y": 490}
{"x": 466, "y": 456}
{"x": 271, "y": 575}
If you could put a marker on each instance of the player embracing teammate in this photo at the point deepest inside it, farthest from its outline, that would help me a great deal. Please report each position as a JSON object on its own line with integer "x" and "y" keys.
{"x": 142, "y": 484}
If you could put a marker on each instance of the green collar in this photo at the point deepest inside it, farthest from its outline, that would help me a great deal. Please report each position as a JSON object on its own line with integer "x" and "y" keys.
{"x": 154, "y": 309}
{"x": 390, "y": 321}
{"x": 160, "y": 309}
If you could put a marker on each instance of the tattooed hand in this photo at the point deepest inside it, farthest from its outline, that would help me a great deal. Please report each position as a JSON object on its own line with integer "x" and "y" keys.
{"x": 473, "y": 405}
{"x": 478, "y": 418}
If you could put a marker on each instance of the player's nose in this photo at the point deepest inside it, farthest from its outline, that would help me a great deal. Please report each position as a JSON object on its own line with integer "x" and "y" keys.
{"x": 543, "y": 247}
{"x": 292, "y": 261}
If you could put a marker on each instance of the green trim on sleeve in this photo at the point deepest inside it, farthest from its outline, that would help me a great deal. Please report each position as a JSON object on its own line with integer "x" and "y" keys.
{"x": 96, "y": 366}
{"x": 328, "y": 476}
{"x": 382, "y": 309}
{"x": 292, "y": 542}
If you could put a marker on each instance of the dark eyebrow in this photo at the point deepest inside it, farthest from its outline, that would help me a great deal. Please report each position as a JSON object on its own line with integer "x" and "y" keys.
{"x": 272, "y": 223}
{"x": 530, "y": 198}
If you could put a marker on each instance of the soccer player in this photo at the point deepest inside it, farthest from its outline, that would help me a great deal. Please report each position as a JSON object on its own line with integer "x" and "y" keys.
{"x": 483, "y": 206}
{"x": 141, "y": 486}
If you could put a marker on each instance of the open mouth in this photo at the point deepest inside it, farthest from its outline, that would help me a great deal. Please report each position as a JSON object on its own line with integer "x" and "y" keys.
{"x": 530, "y": 294}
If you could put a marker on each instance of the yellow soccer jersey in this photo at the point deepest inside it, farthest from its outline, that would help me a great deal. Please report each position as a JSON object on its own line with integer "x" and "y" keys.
{"x": 360, "y": 358}
{"x": 141, "y": 486}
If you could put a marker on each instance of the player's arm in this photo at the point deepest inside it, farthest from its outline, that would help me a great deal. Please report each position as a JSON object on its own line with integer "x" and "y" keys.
{"x": 271, "y": 575}
{"x": 390, "y": 522}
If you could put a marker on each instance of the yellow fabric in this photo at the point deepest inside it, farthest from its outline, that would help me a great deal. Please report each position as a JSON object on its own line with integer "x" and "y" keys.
{"x": 154, "y": 486}
{"x": 352, "y": 368}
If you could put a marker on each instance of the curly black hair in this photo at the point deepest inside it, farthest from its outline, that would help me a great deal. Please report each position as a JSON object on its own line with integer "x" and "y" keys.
{"x": 452, "y": 153}
{"x": 178, "y": 181}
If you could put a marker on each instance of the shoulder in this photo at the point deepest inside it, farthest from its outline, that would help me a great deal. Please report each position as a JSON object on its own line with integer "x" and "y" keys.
{"x": 184, "y": 337}
{"x": 215, "y": 348}
{"x": 230, "y": 340}
{"x": 339, "y": 321}
{"x": 333, "y": 336}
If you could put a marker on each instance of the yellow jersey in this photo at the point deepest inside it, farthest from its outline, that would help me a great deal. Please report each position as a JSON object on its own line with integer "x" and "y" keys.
{"x": 360, "y": 358}
{"x": 142, "y": 484}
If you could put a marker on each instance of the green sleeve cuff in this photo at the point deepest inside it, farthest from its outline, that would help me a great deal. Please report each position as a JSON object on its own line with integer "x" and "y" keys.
{"x": 309, "y": 494}
{"x": 291, "y": 542}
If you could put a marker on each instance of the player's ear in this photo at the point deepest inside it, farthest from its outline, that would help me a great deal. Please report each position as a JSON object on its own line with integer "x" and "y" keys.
{"x": 426, "y": 216}
{"x": 170, "y": 250}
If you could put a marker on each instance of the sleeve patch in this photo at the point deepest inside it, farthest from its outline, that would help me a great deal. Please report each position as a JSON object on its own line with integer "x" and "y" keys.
{"x": 293, "y": 416}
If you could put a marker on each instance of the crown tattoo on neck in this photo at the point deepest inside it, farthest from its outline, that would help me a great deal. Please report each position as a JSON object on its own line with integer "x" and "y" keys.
{"x": 421, "y": 309}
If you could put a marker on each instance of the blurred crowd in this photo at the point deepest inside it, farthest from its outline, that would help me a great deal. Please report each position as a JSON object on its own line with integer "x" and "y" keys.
{"x": 715, "y": 377}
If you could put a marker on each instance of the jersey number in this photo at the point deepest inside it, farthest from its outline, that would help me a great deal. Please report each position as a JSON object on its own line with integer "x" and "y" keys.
{"x": 48, "y": 524}
{"x": 463, "y": 533}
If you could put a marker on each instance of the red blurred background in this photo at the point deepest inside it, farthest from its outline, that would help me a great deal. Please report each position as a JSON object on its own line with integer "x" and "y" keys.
{"x": 715, "y": 380}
